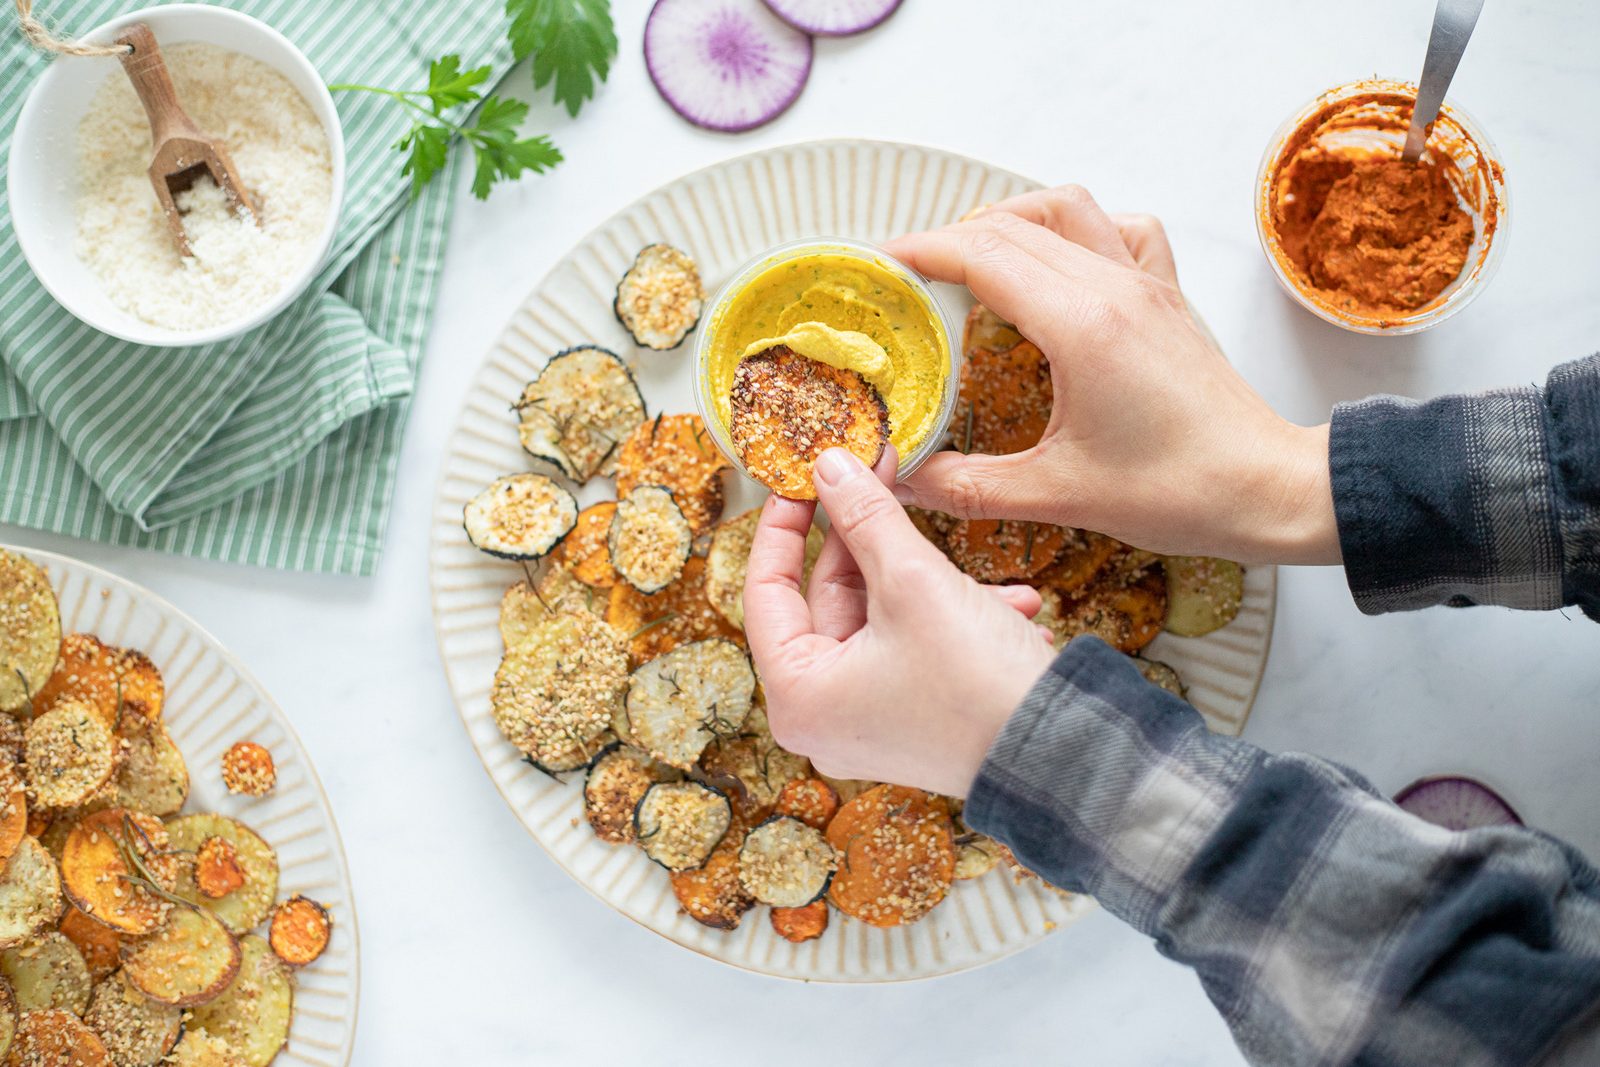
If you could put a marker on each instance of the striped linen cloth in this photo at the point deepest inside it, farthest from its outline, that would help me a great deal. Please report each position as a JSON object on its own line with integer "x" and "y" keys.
{"x": 277, "y": 448}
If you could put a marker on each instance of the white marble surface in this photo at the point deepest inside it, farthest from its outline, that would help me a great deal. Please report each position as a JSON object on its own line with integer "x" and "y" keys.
{"x": 478, "y": 950}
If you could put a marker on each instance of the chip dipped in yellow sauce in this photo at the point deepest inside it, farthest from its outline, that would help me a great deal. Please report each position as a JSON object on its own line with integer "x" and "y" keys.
{"x": 851, "y": 295}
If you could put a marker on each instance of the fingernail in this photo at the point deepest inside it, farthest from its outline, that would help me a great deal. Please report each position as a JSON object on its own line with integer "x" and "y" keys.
{"x": 837, "y": 465}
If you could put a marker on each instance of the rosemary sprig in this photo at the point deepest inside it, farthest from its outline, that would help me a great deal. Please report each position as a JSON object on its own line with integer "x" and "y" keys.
{"x": 141, "y": 875}
{"x": 652, "y": 624}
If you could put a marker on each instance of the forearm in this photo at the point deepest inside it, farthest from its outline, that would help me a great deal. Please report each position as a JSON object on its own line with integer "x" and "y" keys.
{"x": 1323, "y": 921}
{"x": 1484, "y": 499}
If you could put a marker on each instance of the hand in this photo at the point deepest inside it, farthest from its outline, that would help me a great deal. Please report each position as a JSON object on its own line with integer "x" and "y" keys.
{"x": 893, "y": 666}
{"x": 1155, "y": 439}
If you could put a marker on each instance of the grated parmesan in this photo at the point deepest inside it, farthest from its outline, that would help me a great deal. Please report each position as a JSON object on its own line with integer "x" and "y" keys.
{"x": 238, "y": 263}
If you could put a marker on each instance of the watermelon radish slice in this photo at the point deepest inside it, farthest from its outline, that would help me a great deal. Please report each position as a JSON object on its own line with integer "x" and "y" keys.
{"x": 1456, "y": 803}
{"x": 833, "y": 18}
{"x": 727, "y": 65}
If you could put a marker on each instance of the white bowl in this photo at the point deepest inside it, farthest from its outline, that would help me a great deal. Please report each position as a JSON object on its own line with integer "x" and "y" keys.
{"x": 42, "y": 174}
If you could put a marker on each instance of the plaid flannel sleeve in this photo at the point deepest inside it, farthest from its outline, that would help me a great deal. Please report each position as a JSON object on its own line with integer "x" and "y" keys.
{"x": 1485, "y": 499}
{"x": 1328, "y": 926}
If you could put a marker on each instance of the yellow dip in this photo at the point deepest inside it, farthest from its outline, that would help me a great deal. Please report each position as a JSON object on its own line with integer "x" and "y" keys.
{"x": 847, "y": 312}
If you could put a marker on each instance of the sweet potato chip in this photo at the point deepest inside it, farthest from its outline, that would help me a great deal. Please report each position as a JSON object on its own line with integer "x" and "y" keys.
{"x": 897, "y": 855}
{"x": 143, "y": 691}
{"x": 677, "y": 453}
{"x": 985, "y": 329}
{"x": 1003, "y": 550}
{"x": 1085, "y": 556}
{"x": 87, "y": 673}
{"x": 1127, "y": 612}
{"x": 300, "y": 931}
{"x": 584, "y": 550}
{"x": 786, "y": 410}
{"x": 655, "y": 625}
{"x": 1006, "y": 399}
{"x": 801, "y": 924}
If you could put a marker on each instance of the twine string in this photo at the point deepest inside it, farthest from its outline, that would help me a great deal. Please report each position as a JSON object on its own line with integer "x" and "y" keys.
{"x": 39, "y": 35}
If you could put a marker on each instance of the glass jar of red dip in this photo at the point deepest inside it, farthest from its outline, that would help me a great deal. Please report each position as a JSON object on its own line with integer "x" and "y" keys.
{"x": 1409, "y": 232}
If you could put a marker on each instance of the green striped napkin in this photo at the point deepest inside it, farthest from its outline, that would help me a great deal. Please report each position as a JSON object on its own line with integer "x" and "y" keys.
{"x": 277, "y": 448}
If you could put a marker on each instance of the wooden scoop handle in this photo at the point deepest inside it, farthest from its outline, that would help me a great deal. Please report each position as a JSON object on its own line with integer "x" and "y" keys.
{"x": 148, "y": 72}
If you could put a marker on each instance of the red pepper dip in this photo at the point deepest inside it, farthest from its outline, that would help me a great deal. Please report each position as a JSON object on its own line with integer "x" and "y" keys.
{"x": 1359, "y": 230}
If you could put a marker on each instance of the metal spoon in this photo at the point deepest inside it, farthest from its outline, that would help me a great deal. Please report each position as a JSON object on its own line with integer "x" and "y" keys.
{"x": 1453, "y": 21}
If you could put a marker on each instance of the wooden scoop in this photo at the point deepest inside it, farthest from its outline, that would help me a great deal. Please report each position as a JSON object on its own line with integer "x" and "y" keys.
{"x": 183, "y": 152}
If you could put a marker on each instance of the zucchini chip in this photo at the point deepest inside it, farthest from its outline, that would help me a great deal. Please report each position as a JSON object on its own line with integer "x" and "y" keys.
{"x": 118, "y": 869}
{"x": 681, "y": 702}
{"x": 13, "y": 807}
{"x": 660, "y": 297}
{"x": 56, "y": 1039}
{"x": 520, "y": 516}
{"x": 897, "y": 855}
{"x": 561, "y": 687}
{"x": 9, "y": 1017}
{"x": 99, "y": 945}
{"x": 799, "y": 925}
{"x": 252, "y": 1015}
{"x": 712, "y": 895}
{"x": 677, "y": 453}
{"x": 649, "y": 539}
{"x": 587, "y": 549}
{"x": 985, "y": 329}
{"x": 300, "y": 931}
{"x": 30, "y": 631}
{"x": 976, "y": 854}
{"x": 199, "y": 1049}
{"x": 248, "y": 769}
{"x": 153, "y": 776}
{"x": 30, "y": 893}
{"x": 658, "y": 623}
{"x": 1203, "y": 594}
{"x": 579, "y": 409}
{"x": 811, "y": 800}
{"x": 71, "y": 754}
{"x": 786, "y": 410}
{"x": 86, "y": 674}
{"x": 1005, "y": 401}
{"x": 755, "y": 758}
{"x": 524, "y": 608}
{"x": 617, "y": 781}
{"x": 47, "y": 972}
{"x": 577, "y": 758}
{"x": 679, "y": 824}
{"x": 136, "y": 1031}
{"x": 728, "y": 561}
{"x": 1124, "y": 611}
{"x": 1157, "y": 673}
{"x": 199, "y": 839}
{"x": 786, "y": 863}
{"x": 1004, "y": 550}
{"x": 189, "y": 961}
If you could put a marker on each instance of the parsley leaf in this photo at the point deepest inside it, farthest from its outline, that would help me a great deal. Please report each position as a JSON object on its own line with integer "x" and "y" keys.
{"x": 572, "y": 42}
{"x": 448, "y": 85}
{"x": 499, "y": 154}
{"x": 430, "y": 147}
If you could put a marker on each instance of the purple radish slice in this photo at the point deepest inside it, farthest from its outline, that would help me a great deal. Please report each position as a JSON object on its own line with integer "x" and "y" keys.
{"x": 1456, "y": 803}
{"x": 833, "y": 18}
{"x": 726, "y": 65}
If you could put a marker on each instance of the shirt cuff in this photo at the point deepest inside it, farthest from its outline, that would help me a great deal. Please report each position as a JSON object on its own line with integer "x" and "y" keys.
{"x": 1102, "y": 783}
{"x": 1449, "y": 501}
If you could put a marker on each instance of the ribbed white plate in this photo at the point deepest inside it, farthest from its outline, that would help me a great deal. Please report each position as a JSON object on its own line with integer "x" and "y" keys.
{"x": 724, "y": 215}
{"x": 211, "y": 702}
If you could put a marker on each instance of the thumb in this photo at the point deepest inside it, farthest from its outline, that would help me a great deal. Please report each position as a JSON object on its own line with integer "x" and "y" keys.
{"x": 977, "y": 487}
{"x": 871, "y": 523}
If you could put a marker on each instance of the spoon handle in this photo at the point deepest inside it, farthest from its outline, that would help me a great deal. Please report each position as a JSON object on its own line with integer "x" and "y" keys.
{"x": 148, "y": 71}
{"x": 1453, "y": 21}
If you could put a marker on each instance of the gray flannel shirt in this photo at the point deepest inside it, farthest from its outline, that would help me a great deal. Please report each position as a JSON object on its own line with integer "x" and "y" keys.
{"x": 1328, "y": 926}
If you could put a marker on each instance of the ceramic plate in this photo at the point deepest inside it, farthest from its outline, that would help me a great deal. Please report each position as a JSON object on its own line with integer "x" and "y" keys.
{"x": 724, "y": 215}
{"x": 211, "y": 702}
